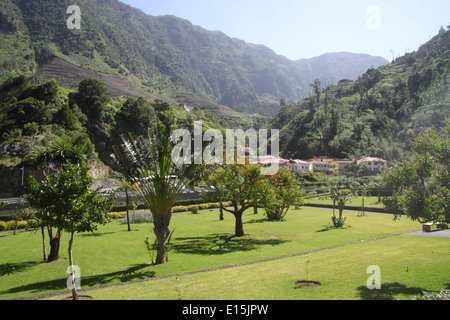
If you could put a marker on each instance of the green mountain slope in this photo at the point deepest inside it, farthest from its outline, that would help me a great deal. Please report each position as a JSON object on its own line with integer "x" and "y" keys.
{"x": 164, "y": 55}
{"x": 376, "y": 115}
{"x": 329, "y": 68}
{"x": 33, "y": 116}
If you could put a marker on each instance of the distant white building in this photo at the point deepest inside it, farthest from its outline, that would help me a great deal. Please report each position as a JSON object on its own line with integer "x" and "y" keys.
{"x": 376, "y": 165}
{"x": 299, "y": 165}
{"x": 271, "y": 160}
{"x": 321, "y": 164}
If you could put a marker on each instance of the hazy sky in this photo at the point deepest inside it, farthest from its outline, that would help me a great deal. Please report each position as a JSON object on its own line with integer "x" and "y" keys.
{"x": 306, "y": 28}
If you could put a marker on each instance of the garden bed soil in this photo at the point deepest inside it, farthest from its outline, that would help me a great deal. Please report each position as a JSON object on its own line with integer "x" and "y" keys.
{"x": 305, "y": 283}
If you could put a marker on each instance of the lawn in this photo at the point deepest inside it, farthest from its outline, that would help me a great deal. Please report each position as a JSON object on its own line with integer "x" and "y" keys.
{"x": 369, "y": 202}
{"x": 112, "y": 255}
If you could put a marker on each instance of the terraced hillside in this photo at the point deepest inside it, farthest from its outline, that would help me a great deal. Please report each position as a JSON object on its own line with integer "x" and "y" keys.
{"x": 67, "y": 75}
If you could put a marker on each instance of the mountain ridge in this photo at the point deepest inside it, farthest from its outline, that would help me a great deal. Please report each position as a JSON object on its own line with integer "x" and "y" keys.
{"x": 377, "y": 115}
{"x": 319, "y": 67}
{"x": 165, "y": 55}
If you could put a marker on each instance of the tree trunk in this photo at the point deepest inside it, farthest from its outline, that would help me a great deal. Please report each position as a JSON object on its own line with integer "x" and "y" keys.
{"x": 239, "y": 227}
{"x": 341, "y": 209}
{"x": 161, "y": 251}
{"x": 43, "y": 243}
{"x": 221, "y": 217}
{"x": 54, "y": 246}
{"x": 72, "y": 274}
{"x": 128, "y": 215}
{"x": 162, "y": 232}
{"x": 334, "y": 203}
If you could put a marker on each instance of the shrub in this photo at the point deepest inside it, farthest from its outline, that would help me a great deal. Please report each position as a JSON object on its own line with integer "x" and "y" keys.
{"x": 14, "y": 225}
{"x": 179, "y": 209}
{"x": 142, "y": 216}
{"x": 117, "y": 215}
{"x": 2, "y": 226}
{"x": 442, "y": 295}
{"x": 281, "y": 192}
{"x": 338, "y": 222}
{"x": 194, "y": 209}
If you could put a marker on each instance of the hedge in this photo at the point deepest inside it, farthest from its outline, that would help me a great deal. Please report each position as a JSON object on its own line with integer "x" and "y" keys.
{"x": 22, "y": 224}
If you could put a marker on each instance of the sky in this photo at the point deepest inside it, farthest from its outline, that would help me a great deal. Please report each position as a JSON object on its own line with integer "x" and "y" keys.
{"x": 299, "y": 29}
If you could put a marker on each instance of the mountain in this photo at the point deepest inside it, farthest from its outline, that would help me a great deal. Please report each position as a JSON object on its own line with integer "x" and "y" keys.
{"x": 378, "y": 115}
{"x": 329, "y": 68}
{"x": 165, "y": 56}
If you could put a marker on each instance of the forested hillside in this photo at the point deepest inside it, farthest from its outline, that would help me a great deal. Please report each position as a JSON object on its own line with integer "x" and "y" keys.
{"x": 165, "y": 55}
{"x": 34, "y": 115}
{"x": 378, "y": 114}
{"x": 162, "y": 67}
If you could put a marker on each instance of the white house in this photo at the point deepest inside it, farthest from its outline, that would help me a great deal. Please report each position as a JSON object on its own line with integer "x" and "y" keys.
{"x": 299, "y": 165}
{"x": 376, "y": 165}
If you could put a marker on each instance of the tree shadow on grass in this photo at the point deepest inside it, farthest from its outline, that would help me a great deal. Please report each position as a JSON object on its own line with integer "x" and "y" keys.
{"x": 10, "y": 268}
{"x": 220, "y": 243}
{"x": 331, "y": 227}
{"x": 257, "y": 220}
{"x": 388, "y": 291}
{"x": 135, "y": 272}
{"x": 95, "y": 234}
{"x": 265, "y": 220}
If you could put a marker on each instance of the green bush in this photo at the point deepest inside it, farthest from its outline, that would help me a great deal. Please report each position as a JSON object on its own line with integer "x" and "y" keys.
{"x": 141, "y": 216}
{"x": 194, "y": 209}
{"x": 117, "y": 215}
{"x": 2, "y": 226}
{"x": 179, "y": 209}
{"x": 14, "y": 225}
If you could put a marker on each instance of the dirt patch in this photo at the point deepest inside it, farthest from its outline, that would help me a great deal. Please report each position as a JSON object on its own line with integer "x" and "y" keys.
{"x": 305, "y": 283}
{"x": 85, "y": 298}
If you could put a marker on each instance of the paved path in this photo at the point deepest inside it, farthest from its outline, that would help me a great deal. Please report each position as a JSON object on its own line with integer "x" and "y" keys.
{"x": 440, "y": 233}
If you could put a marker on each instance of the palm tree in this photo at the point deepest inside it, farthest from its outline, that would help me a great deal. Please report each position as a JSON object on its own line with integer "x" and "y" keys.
{"x": 60, "y": 153}
{"x": 148, "y": 163}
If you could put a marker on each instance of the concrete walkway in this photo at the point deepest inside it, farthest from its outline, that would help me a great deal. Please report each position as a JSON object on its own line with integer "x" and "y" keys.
{"x": 440, "y": 233}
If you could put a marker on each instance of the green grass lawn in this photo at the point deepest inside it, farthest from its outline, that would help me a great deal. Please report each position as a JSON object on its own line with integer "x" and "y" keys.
{"x": 369, "y": 202}
{"x": 113, "y": 255}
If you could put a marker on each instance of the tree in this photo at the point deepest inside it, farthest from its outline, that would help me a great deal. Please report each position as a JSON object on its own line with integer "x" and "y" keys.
{"x": 60, "y": 153}
{"x": 242, "y": 184}
{"x": 421, "y": 187}
{"x": 334, "y": 194}
{"x": 317, "y": 87}
{"x": 339, "y": 197}
{"x": 93, "y": 92}
{"x": 148, "y": 163}
{"x": 282, "y": 191}
{"x": 94, "y": 100}
{"x": 70, "y": 204}
{"x": 135, "y": 116}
